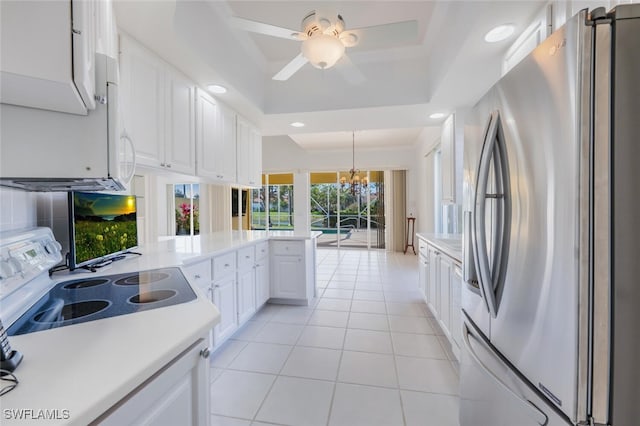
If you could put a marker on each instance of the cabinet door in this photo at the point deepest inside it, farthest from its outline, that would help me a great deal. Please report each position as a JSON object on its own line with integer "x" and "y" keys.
{"x": 448, "y": 160}
{"x": 224, "y": 297}
{"x": 288, "y": 277}
{"x": 246, "y": 295}
{"x": 262, "y": 284}
{"x": 179, "y": 395}
{"x": 434, "y": 295}
{"x": 423, "y": 271}
{"x": 207, "y": 136}
{"x": 456, "y": 312}
{"x": 227, "y": 143}
{"x": 446, "y": 270}
{"x": 180, "y": 141}
{"x": 142, "y": 82}
{"x": 243, "y": 141}
{"x": 255, "y": 158}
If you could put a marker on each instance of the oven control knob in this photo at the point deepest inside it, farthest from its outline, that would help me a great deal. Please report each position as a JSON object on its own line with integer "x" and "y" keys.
{"x": 53, "y": 247}
{"x": 5, "y": 270}
{"x": 15, "y": 265}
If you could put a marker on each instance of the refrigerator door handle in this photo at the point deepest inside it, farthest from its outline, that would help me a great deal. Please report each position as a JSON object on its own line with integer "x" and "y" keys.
{"x": 491, "y": 276}
{"x": 535, "y": 412}
{"x": 478, "y": 236}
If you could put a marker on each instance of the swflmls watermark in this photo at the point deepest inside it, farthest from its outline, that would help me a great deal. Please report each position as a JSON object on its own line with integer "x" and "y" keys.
{"x": 36, "y": 414}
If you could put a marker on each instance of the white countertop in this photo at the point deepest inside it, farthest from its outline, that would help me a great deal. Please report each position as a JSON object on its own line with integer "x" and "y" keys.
{"x": 450, "y": 244}
{"x": 87, "y": 368}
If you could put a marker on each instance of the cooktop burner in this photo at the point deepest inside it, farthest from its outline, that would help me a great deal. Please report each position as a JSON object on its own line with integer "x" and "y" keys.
{"x": 71, "y": 311}
{"x": 85, "y": 283}
{"x": 142, "y": 278}
{"x": 82, "y": 300}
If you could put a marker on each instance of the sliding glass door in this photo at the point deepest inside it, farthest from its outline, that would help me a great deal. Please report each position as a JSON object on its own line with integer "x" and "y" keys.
{"x": 348, "y": 210}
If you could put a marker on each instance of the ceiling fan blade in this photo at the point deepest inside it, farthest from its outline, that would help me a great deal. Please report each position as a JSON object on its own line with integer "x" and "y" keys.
{"x": 291, "y": 68}
{"x": 350, "y": 71}
{"x": 385, "y": 35}
{"x": 266, "y": 29}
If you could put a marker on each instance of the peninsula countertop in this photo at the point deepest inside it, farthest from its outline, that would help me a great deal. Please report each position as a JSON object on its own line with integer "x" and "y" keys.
{"x": 84, "y": 369}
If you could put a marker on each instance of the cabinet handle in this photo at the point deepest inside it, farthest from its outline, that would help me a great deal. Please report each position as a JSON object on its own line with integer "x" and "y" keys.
{"x": 163, "y": 165}
{"x": 205, "y": 353}
{"x": 196, "y": 276}
{"x": 226, "y": 265}
{"x": 247, "y": 257}
{"x": 217, "y": 286}
{"x": 168, "y": 165}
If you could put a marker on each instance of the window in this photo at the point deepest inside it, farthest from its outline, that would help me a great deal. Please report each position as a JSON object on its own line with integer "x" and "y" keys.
{"x": 272, "y": 205}
{"x": 187, "y": 208}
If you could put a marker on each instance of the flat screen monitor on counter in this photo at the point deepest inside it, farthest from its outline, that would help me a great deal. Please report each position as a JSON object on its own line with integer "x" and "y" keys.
{"x": 101, "y": 226}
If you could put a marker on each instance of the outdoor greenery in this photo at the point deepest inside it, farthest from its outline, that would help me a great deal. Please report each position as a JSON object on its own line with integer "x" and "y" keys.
{"x": 96, "y": 238}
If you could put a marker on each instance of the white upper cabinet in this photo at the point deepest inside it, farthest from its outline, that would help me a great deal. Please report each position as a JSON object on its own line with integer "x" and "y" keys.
{"x": 249, "y": 151}
{"x": 215, "y": 139}
{"x": 255, "y": 158}
{"x": 158, "y": 109}
{"x": 180, "y": 129}
{"x": 47, "y": 55}
{"x": 447, "y": 141}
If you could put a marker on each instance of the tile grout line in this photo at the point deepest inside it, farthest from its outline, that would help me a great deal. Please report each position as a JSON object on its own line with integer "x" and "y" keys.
{"x": 395, "y": 364}
{"x": 335, "y": 383}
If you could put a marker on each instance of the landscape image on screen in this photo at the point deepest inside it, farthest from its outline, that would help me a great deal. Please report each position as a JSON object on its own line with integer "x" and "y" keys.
{"x": 104, "y": 224}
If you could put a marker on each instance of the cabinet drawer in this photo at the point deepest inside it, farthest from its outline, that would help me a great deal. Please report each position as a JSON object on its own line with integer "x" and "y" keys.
{"x": 262, "y": 250}
{"x": 292, "y": 248}
{"x": 422, "y": 246}
{"x": 199, "y": 273}
{"x": 246, "y": 258}
{"x": 224, "y": 265}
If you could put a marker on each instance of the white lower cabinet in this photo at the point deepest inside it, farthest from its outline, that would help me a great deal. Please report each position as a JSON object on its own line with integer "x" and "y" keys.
{"x": 246, "y": 295}
{"x": 224, "y": 297}
{"x": 263, "y": 290}
{"x": 456, "y": 312}
{"x": 433, "y": 299}
{"x": 440, "y": 281}
{"x": 292, "y": 271}
{"x": 287, "y": 273}
{"x": 446, "y": 270}
{"x": 178, "y": 394}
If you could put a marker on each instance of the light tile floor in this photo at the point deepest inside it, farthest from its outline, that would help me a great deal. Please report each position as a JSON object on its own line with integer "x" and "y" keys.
{"x": 368, "y": 352}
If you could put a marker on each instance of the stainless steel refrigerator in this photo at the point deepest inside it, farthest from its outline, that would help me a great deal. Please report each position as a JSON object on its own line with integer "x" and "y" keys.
{"x": 551, "y": 293}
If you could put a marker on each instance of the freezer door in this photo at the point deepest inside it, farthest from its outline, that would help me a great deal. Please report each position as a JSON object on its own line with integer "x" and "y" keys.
{"x": 491, "y": 393}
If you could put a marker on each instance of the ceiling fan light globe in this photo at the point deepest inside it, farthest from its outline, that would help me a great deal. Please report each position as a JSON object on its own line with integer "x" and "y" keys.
{"x": 322, "y": 50}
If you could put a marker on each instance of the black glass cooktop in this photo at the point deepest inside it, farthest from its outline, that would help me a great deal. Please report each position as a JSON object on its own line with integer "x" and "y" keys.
{"x": 93, "y": 298}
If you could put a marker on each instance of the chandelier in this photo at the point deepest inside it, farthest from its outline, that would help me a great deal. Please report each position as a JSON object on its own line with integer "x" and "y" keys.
{"x": 355, "y": 182}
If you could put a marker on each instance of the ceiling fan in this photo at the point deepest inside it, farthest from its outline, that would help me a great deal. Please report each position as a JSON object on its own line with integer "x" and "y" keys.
{"x": 324, "y": 40}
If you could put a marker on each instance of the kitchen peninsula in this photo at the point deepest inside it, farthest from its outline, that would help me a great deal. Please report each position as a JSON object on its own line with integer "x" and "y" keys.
{"x": 158, "y": 371}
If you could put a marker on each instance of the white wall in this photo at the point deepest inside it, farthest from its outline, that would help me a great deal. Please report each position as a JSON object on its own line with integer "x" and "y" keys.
{"x": 17, "y": 209}
{"x": 282, "y": 154}
{"x": 420, "y": 179}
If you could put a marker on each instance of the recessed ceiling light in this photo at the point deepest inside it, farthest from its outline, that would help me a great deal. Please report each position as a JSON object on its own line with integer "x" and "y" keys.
{"x": 437, "y": 115}
{"x": 297, "y": 124}
{"x": 499, "y": 33}
{"x": 216, "y": 88}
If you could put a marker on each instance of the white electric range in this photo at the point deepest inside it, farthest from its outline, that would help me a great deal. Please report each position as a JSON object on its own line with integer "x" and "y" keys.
{"x": 32, "y": 301}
